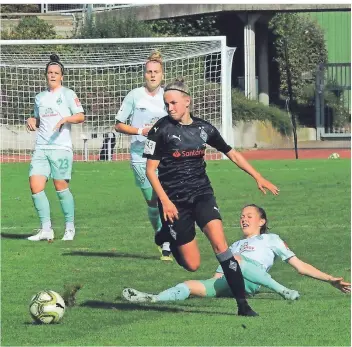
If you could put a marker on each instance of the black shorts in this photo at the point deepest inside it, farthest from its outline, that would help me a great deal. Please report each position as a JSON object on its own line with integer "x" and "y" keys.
{"x": 201, "y": 211}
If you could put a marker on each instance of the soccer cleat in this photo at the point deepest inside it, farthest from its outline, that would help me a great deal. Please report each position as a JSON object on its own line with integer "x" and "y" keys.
{"x": 290, "y": 294}
{"x": 42, "y": 235}
{"x": 166, "y": 256}
{"x": 245, "y": 310}
{"x": 69, "y": 235}
{"x": 134, "y": 295}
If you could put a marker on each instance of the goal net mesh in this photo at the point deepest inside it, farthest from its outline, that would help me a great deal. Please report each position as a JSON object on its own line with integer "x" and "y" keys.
{"x": 102, "y": 74}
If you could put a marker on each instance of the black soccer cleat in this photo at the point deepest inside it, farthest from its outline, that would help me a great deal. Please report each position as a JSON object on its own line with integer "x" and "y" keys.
{"x": 245, "y": 310}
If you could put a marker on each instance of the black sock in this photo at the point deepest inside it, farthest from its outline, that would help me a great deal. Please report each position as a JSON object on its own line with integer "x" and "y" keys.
{"x": 233, "y": 275}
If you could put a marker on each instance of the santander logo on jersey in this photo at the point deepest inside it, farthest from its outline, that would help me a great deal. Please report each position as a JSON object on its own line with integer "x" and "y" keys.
{"x": 192, "y": 153}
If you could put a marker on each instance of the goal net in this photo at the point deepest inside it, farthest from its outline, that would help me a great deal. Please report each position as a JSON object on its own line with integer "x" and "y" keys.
{"x": 102, "y": 72}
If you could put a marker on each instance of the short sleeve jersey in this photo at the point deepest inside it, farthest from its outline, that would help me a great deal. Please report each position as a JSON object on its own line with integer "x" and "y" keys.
{"x": 50, "y": 107}
{"x": 263, "y": 249}
{"x": 181, "y": 149}
{"x": 142, "y": 110}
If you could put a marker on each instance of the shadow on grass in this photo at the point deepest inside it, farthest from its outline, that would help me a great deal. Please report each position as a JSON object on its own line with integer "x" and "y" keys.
{"x": 109, "y": 255}
{"x": 14, "y": 236}
{"x": 147, "y": 307}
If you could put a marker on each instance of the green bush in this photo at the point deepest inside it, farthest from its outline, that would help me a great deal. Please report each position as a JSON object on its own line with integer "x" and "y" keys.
{"x": 112, "y": 25}
{"x": 247, "y": 110}
{"x": 188, "y": 26}
{"x": 30, "y": 27}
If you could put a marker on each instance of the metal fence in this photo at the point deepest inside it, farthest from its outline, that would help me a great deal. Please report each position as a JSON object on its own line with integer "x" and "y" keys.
{"x": 333, "y": 100}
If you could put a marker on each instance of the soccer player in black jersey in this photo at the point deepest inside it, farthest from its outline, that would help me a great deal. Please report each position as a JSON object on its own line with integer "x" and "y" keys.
{"x": 176, "y": 147}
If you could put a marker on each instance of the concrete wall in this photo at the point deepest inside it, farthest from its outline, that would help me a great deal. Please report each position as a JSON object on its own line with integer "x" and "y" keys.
{"x": 246, "y": 135}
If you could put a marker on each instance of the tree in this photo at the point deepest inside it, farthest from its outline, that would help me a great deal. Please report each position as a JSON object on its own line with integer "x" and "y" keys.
{"x": 300, "y": 46}
{"x": 30, "y": 28}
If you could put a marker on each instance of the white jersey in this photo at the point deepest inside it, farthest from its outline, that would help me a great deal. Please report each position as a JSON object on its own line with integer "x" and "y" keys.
{"x": 263, "y": 249}
{"x": 143, "y": 110}
{"x": 50, "y": 107}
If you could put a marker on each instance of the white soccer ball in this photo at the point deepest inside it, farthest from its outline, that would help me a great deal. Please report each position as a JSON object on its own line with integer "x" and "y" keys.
{"x": 334, "y": 156}
{"x": 47, "y": 307}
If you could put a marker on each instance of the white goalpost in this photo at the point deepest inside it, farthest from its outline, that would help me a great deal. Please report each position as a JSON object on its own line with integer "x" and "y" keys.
{"x": 102, "y": 72}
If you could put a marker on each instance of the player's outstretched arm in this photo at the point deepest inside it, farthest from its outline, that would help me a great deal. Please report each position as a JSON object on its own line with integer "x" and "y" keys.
{"x": 243, "y": 164}
{"x": 308, "y": 270}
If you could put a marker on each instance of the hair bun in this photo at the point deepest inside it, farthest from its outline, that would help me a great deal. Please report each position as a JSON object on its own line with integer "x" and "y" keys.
{"x": 155, "y": 56}
{"x": 54, "y": 58}
{"x": 180, "y": 80}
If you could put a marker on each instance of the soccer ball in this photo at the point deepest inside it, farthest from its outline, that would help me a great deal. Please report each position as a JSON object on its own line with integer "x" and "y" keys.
{"x": 47, "y": 307}
{"x": 334, "y": 156}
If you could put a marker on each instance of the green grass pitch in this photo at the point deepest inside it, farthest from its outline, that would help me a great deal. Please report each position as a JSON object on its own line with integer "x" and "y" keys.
{"x": 114, "y": 249}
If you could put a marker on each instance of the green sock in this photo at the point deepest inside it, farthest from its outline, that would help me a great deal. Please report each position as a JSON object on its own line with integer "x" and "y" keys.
{"x": 259, "y": 276}
{"x": 41, "y": 204}
{"x": 179, "y": 292}
{"x": 154, "y": 217}
{"x": 67, "y": 204}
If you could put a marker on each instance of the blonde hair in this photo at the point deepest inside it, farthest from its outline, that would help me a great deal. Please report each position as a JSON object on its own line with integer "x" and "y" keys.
{"x": 178, "y": 84}
{"x": 155, "y": 57}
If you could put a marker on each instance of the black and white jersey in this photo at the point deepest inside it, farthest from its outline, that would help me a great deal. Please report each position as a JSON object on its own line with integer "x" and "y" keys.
{"x": 181, "y": 149}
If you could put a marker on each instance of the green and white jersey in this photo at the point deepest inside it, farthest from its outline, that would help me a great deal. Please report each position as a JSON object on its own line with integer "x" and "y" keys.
{"x": 142, "y": 110}
{"x": 50, "y": 107}
{"x": 263, "y": 249}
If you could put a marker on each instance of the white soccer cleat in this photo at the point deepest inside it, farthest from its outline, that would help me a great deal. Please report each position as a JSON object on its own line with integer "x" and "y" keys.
{"x": 290, "y": 294}
{"x": 42, "y": 235}
{"x": 134, "y": 295}
{"x": 69, "y": 235}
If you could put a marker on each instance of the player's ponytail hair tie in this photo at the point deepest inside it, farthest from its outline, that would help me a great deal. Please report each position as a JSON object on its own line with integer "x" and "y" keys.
{"x": 55, "y": 60}
{"x": 179, "y": 85}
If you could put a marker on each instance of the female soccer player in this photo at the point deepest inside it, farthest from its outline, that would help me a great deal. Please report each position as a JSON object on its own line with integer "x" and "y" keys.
{"x": 255, "y": 253}
{"x": 176, "y": 147}
{"x": 55, "y": 109}
{"x": 143, "y": 107}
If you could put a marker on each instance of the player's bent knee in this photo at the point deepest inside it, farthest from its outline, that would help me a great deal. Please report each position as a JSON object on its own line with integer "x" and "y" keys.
{"x": 191, "y": 268}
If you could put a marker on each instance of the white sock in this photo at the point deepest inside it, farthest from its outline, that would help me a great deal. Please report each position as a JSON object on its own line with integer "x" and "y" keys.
{"x": 46, "y": 226}
{"x": 70, "y": 225}
{"x": 166, "y": 246}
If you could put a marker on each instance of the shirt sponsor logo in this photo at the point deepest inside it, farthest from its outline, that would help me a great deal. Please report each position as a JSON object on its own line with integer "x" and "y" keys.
{"x": 49, "y": 112}
{"x": 193, "y": 153}
{"x": 246, "y": 248}
{"x": 149, "y": 147}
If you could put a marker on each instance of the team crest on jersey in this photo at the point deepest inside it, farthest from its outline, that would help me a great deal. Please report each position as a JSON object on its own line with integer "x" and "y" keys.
{"x": 203, "y": 135}
{"x": 59, "y": 100}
